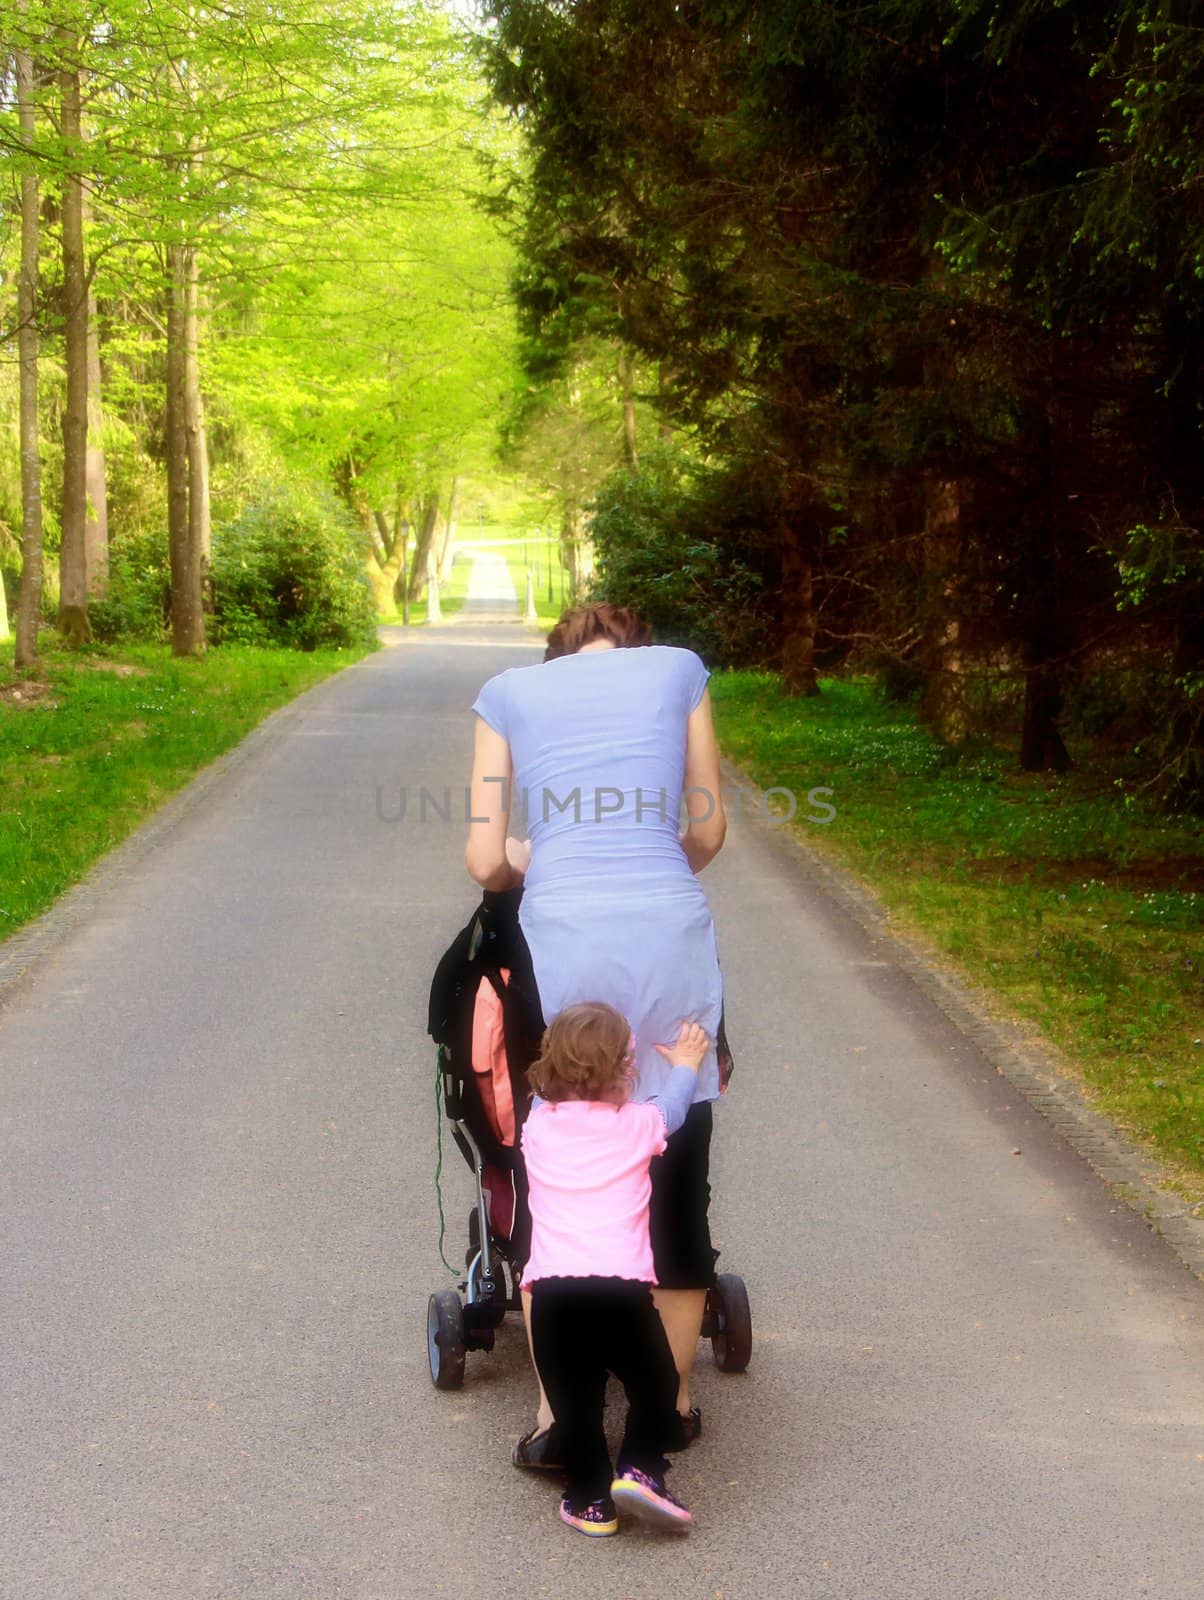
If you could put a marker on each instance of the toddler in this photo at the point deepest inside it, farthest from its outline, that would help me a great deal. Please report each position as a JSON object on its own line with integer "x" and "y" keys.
{"x": 587, "y": 1148}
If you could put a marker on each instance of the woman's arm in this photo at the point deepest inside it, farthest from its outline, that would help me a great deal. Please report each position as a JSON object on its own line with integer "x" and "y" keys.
{"x": 702, "y": 838}
{"x": 486, "y": 855}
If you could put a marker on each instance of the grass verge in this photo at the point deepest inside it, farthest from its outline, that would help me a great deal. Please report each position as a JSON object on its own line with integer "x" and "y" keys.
{"x": 101, "y": 736}
{"x": 1070, "y": 900}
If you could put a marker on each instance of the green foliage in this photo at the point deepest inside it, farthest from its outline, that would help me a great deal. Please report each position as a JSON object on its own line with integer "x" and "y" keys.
{"x": 323, "y": 166}
{"x": 10, "y": 573}
{"x": 372, "y": 341}
{"x": 930, "y": 270}
{"x": 659, "y": 531}
{"x": 1160, "y": 561}
{"x": 292, "y": 574}
{"x": 138, "y": 602}
{"x": 134, "y": 484}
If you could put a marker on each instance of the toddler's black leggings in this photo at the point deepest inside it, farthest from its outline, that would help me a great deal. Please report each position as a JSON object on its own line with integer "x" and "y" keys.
{"x": 582, "y": 1329}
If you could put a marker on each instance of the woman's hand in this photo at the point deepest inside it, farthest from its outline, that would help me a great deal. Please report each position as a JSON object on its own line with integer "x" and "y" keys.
{"x": 704, "y": 833}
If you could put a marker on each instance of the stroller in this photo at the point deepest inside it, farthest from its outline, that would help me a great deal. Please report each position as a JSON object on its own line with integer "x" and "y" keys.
{"x": 487, "y": 1026}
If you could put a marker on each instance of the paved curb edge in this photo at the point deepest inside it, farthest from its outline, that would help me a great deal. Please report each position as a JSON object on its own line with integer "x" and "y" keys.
{"x": 1132, "y": 1173}
{"x": 21, "y": 951}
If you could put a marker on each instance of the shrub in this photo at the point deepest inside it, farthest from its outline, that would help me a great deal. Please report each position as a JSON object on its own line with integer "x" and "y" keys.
{"x": 292, "y": 573}
{"x": 138, "y": 602}
{"x": 684, "y": 548}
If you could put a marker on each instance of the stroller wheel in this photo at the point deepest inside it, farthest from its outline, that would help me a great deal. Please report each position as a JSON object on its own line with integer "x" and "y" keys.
{"x": 731, "y": 1340}
{"x": 445, "y": 1339}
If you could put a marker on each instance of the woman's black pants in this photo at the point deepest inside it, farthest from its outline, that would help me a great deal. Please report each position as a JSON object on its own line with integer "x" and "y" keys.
{"x": 583, "y": 1329}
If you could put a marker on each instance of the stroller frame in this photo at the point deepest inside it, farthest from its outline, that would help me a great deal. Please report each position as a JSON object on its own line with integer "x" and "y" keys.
{"x": 456, "y": 1325}
{"x": 466, "y": 1318}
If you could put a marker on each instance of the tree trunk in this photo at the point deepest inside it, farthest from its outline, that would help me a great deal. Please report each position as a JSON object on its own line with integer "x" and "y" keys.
{"x": 96, "y": 528}
{"x": 586, "y": 563}
{"x": 73, "y": 567}
{"x": 1041, "y": 746}
{"x": 630, "y": 452}
{"x": 569, "y": 522}
{"x": 1182, "y": 783}
{"x": 29, "y": 605}
{"x": 5, "y": 631}
{"x": 1044, "y": 626}
{"x": 385, "y": 565}
{"x": 664, "y": 378}
{"x": 797, "y": 609}
{"x": 404, "y": 542}
{"x": 576, "y": 551}
{"x": 198, "y": 443}
{"x": 382, "y": 542}
{"x": 383, "y": 578}
{"x": 428, "y": 518}
{"x": 187, "y": 615}
{"x": 944, "y": 706}
{"x": 448, "y": 549}
{"x": 96, "y": 520}
{"x": 401, "y": 532}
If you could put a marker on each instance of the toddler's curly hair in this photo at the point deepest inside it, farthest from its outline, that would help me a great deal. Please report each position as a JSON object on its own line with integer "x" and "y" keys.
{"x": 586, "y": 1053}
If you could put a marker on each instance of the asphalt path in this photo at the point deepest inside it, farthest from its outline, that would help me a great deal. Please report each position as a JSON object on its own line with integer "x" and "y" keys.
{"x": 490, "y": 596}
{"x": 975, "y": 1373}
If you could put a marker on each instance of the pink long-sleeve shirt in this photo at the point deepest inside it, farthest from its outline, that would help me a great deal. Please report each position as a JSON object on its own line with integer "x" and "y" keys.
{"x": 587, "y": 1167}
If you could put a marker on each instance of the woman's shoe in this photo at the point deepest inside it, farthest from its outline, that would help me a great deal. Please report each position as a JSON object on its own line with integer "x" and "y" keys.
{"x": 689, "y": 1426}
{"x": 596, "y": 1519}
{"x": 539, "y": 1451}
{"x": 646, "y": 1497}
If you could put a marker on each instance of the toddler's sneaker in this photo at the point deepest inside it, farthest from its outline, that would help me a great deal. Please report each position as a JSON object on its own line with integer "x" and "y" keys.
{"x": 596, "y": 1518}
{"x": 646, "y": 1497}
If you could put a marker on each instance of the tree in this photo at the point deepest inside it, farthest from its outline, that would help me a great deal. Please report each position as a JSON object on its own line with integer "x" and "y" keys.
{"x": 566, "y": 436}
{"x": 388, "y": 340}
{"x": 287, "y": 274}
{"x": 897, "y": 253}
{"x": 29, "y": 604}
{"x": 96, "y": 526}
{"x": 207, "y": 130}
{"x": 73, "y": 560}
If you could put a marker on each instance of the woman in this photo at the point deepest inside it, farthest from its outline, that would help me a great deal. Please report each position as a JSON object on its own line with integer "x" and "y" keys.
{"x": 595, "y": 747}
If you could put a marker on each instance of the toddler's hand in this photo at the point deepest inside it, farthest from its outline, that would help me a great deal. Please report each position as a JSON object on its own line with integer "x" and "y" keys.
{"x": 689, "y": 1050}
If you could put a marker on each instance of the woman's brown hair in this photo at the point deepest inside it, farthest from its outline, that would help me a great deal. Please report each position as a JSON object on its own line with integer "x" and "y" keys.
{"x": 584, "y": 624}
{"x": 585, "y": 1054}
